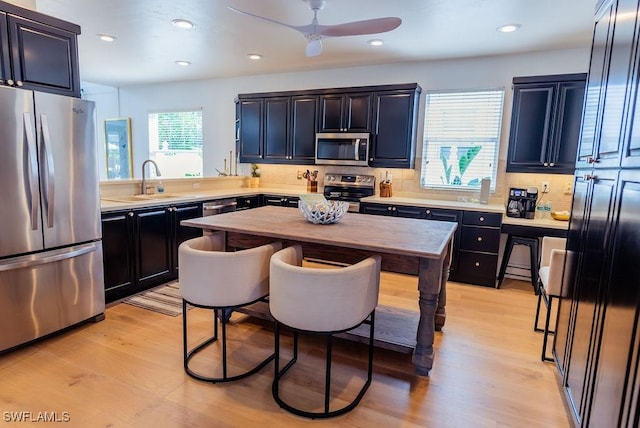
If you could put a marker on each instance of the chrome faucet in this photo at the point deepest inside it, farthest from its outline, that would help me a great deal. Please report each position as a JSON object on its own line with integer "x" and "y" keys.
{"x": 144, "y": 189}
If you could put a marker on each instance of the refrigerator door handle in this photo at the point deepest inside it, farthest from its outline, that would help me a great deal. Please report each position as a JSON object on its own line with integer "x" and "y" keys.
{"x": 52, "y": 256}
{"x": 50, "y": 176}
{"x": 32, "y": 175}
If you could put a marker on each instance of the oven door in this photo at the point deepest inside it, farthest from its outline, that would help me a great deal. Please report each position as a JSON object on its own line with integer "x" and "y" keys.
{"x": 342, "y": 149}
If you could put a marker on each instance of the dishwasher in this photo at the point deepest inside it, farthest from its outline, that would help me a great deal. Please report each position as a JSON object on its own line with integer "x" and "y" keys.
{"x": 219, "y": 206}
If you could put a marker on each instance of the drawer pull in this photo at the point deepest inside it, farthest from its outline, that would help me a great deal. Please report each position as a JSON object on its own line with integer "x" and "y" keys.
{"x": 481, "y": 218}
{"x": 477, "y": 264}
{"x": 479, "y": 238}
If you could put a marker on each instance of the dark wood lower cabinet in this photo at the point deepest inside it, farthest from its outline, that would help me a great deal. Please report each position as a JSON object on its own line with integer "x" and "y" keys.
{"x": 152, "y": 241}
{"x": 476, "y": 242}
{"x": 117, "y": 250}
{"x": 140, "y": 247}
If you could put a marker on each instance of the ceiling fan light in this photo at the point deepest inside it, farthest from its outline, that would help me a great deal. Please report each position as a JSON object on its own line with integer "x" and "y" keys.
{"x": 509, "y": 28}
{"x": 183, "y": 63}
{"x": 182, "y": 23}
{"x": 314, "y": 47}
{"x": 106, "y": 37}
{"x": 376, "y": 42}
{"x": 254, "y": 56}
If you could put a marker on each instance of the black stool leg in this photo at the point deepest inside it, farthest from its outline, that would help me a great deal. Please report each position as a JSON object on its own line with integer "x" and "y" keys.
{"x": 533, "y": 248}
{"x": 505, "y": 260}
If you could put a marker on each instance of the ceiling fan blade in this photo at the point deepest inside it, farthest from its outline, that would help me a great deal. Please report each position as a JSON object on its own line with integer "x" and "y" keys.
{"x": 302, "y": 29}
{"x": 370, "y": 26}
{"x": 314, "y": 47}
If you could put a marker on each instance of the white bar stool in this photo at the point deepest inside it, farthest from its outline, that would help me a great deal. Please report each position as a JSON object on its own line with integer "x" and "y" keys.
{"x": 325, "y": 302}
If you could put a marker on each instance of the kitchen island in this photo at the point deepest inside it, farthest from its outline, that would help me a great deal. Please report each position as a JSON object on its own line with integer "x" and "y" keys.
{"x": 417, "y": 247}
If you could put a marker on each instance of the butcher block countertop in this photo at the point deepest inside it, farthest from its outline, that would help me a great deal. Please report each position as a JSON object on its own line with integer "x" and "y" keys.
{"x": 394, "y": 235}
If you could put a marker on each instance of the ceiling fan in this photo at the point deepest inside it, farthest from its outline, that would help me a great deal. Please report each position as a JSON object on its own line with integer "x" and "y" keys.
{"x": 314, "y": 32}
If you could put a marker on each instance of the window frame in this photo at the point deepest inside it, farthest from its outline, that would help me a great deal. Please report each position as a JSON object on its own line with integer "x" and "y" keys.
{"x": 433, "y": 144}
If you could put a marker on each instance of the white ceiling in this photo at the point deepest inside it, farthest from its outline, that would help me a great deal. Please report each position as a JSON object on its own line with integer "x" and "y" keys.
{"x": 148, "y": 44}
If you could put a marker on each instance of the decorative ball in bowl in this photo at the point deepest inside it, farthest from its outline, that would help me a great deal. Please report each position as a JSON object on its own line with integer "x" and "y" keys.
{"x": 324, "y": 213}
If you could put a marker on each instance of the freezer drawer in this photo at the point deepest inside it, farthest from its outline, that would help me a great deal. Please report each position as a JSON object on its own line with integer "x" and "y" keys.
{"x": 43, "y": 293}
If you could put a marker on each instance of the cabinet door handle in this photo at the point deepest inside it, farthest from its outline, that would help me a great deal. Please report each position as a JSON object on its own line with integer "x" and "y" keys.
{"x": 10, "y": 82}
{"x": 588, "y": 177}
{"x": 552, "y": 164}
{"x": 370, "y": 159}
{"x": 591, "y": 159}
{"x": 479, "y": 238}
{"x": 394, "y": 208}
{"x": 388, "y": 208}
{"x": 546, "y": 164}
{"x": 130, "y": 214}
{"x": 477, "y": 264}
{"x": 428, "y": 212}
{"x": 19, "y": 83}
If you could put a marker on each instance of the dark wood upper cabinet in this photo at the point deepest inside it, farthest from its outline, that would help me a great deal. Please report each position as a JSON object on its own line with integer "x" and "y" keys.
{"x": 276, "y": 128}
{"x": 38, "y": 52}
{"x": 350, "y": 112}
{"x": 395, "y": 119}
{"x": 545, "y": 123}
{"x": 304, "y": 123}
{"x": 281, "y": 127}
{"x": 5, "y": 65}
{"x": 250, "y": 132}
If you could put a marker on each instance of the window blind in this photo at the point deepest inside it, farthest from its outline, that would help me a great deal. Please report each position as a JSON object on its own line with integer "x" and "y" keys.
{"x": 461, "y": 138}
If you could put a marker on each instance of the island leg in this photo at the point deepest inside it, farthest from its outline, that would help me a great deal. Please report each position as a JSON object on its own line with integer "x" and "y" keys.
{"x": 441, "y": 314}
{"x": 429, "y": 285}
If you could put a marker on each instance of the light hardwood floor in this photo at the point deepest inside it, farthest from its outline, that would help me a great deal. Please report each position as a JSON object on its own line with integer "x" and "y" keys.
{"x": 127, "y": 371}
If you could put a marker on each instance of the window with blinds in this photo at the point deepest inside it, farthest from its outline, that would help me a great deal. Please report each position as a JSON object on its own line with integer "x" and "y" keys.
{"x": 175, "y": 143}
{"x": 461, "y": 138}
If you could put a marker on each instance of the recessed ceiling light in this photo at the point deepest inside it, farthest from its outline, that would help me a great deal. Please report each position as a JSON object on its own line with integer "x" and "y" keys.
{"x": 375, "y": 42}
{"x": 182, "y": 23}
{"x": 106, "y": 37}
{"x": 509, "y": 28}
{"x": 254, "y": 56}
{"x": 184, "y": 63}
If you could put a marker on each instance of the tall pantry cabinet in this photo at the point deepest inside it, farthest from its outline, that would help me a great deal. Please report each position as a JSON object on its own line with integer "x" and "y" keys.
{"x": 597, "y": 342}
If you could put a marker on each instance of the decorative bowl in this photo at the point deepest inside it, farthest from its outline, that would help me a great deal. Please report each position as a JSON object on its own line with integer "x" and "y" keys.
{"x": 560, "y": 215}
{"x": 324, "y": 213}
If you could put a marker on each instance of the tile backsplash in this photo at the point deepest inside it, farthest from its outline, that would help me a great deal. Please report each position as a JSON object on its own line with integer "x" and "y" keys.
{"x": 406, "y": 182}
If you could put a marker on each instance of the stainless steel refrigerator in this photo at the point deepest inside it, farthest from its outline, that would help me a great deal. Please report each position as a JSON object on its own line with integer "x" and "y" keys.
{"x": 50, "y": 235}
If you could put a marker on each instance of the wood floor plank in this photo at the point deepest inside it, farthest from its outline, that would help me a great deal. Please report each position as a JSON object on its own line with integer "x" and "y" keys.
{"x": 126, "y": 371}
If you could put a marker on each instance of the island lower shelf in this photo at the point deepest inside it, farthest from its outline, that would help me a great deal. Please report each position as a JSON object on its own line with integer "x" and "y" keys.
{"x": 395, "y": 327}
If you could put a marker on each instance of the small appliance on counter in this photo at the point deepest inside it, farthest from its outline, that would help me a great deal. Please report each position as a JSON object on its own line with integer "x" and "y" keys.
{"x": 522, "y": 202}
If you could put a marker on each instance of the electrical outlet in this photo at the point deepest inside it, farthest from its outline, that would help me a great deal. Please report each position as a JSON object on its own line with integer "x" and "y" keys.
{"x": 545, "y": 187}
{"x": 299, "y": 175}
{"x": 568, "y": 188}
{"x": 195, "y": 185}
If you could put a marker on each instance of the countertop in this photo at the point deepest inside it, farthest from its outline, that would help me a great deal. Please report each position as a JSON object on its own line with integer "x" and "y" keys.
{"x": 110, "y": 204}
{"x": 436, "y": 203}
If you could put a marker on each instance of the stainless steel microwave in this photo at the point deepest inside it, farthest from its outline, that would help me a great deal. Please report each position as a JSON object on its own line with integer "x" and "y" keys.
{"x": 342, "y": 148}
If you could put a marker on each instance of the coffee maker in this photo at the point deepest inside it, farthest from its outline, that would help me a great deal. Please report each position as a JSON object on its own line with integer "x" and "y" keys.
{"x": 522, "y": 202}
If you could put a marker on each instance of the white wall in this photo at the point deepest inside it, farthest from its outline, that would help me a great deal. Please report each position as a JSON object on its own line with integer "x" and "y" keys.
{"x": 216, "y": 96}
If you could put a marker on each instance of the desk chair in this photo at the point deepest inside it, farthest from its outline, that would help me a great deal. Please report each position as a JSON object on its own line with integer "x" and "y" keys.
{"x": 550, "y": 283}
{"x": 213, "y": 279}
{"x": 322, "y": 302}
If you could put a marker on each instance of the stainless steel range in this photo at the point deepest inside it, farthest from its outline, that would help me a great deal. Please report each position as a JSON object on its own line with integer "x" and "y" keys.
{"x": 348, "y": 187}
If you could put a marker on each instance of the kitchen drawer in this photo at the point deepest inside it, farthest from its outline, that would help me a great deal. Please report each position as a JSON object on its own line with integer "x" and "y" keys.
{"x": 477, "y": 218}
{"x": 477, "y": 268}
{"x": 483, "y": 239}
